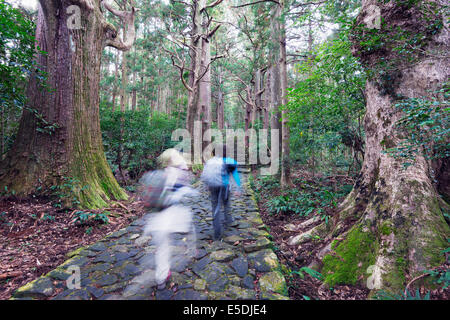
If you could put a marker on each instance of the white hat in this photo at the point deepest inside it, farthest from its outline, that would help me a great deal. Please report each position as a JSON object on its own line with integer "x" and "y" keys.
{"x": 172, "y": 158}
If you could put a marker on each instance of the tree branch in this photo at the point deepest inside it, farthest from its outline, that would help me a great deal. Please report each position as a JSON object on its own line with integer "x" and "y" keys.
{"x": 212, "y": 5}
{"x": 256, "y": 2}
{"x": 129, "y": 31}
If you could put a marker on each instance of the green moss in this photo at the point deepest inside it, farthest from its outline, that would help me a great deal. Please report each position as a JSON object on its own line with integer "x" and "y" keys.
{"x": 386, "y": 228}
{"x": 351, "y": 259}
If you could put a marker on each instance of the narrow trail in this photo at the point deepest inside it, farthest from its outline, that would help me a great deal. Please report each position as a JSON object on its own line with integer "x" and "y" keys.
{"x": 121, "y": 266}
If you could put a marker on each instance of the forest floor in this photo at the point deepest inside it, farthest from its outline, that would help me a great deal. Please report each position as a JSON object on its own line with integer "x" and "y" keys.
{"x": 35, "y": 236}
{"x": 310, "y": 190}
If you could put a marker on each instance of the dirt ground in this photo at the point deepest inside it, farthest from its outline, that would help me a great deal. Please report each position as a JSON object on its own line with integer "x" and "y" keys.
{"x": 35, "y": 236}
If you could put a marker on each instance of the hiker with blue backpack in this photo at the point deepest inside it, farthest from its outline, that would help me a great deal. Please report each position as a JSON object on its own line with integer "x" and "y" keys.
{"x": 216, "y": 175}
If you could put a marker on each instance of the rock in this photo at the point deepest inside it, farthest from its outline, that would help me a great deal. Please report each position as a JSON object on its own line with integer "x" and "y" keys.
{"x": 106, "y": 280}
{"x": 238, "y": 293}
{"x": 201, "y": 264}
{"x": 164, "y": 294}
{"x": 223, "y": 255}
{"x": 273, "y": 282}
{"x": 272, "y": 296}
{"x": 258, "y": 233}
{"x": 264, "y": 260}
{"x": 147, "y": 278}
{"x": 95, "y": 292}
{"x": 79, "y": 261}
{"x": 219, "y": 284}
{"x": 200, "y": 284}
{"x": 240, "y": 265}
{"x": 134, "y": 236}
{"x": 189, "y": 294}
{"x": 105, "y": 257}
{"x": 200, "y": 253}
{"x": 39, "y": 288}
{"x": 128, "y": 270}
{"x": 120, "y": 248}
{"x": 247, "y": 282}
{"x": 180, "y": 263}
{"x": 59, "y": 274}
{"x": 212, "y": 272}
{"x": 143, "y": 240}
{"x": 99, "y": 246}
{"x": 81, "y": 294}
{"x": 79, "y": 251}
{"x": 117, "y": 234}
{"x": 136, "y": 289}
{"x": 244, "y": 225}
{"x": 261, "y": 243}
{"x": 114, "y": 287}
{"x": 99, "y": 267}
{"x": 256, "y": 220}
{"x": 233, "y": 239}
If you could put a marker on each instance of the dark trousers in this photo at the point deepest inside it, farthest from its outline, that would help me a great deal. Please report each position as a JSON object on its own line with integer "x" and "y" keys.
{"x": 220, "y": 197}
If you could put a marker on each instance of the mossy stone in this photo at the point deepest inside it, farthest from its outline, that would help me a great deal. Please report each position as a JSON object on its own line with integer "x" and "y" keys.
{"x": 273, "y": 282}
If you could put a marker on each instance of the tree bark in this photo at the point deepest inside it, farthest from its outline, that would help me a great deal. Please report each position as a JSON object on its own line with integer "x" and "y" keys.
{"x": 285, "y": 150}
{"x": 59, "y": 135}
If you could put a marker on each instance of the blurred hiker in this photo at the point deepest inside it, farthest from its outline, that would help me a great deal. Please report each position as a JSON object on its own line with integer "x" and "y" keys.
{"x": 163, "y": 189}
{"x": 216, "y": 175}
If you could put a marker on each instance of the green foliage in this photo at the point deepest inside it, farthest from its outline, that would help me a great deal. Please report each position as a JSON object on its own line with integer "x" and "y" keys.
{"x": 16, "y": 65}
{"x": 383, "y": 295}
{"x": 83, "y": 217}
{"x": 65, "y": 193}
{"x": 426, "y": 126}
{"x": 327, "y": 102}
{"x": 48, "y": 217}
{"x": 16, "y": 54}
{"x": 134, "y": 139}
{"x": 303, "y": 201}
{"x": 440, "y": 277}
{"x": 197, "y": 168}
{"x": 313, "y": 273}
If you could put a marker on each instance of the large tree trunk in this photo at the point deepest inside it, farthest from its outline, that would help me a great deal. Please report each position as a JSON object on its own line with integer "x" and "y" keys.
{"x": 392, "y": 220}
{"x": 59, "y": 135}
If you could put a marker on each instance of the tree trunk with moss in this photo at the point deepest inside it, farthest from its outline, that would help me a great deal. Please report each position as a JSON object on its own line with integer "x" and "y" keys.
{"x": 59, "y": 136}
{"x": 391, "y": 226}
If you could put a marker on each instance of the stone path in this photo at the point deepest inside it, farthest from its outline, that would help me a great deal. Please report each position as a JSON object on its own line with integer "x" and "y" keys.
{"x": 121, "y": 266}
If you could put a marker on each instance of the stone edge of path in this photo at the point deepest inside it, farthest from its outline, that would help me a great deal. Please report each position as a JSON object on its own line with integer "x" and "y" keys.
{"x": 271, "y": 285}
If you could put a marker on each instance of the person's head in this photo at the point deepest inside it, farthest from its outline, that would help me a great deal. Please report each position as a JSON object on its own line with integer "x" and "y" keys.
{"x": 172, "y": 158}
